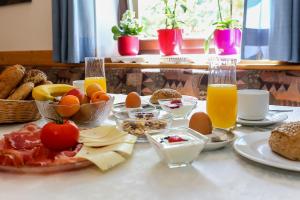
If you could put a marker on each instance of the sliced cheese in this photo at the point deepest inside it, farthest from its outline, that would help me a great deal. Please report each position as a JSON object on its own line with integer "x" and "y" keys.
{"x": 99, "y": 132}
{"x": 103, "y": 133}
{"x": 131, "y": 139}
{"x": 110, "y": 137}
{"x": 104, "y": 160}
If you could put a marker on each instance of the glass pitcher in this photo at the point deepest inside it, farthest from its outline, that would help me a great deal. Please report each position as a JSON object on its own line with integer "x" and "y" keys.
{"x": 222, "y": 92}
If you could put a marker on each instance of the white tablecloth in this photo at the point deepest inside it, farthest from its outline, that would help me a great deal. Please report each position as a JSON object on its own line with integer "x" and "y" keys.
{"x": 221, "y": 174}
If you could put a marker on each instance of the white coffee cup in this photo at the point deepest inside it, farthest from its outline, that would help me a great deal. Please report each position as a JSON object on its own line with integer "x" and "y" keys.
{"x": 253, "y": 104}
{"x": 79, "y": 84}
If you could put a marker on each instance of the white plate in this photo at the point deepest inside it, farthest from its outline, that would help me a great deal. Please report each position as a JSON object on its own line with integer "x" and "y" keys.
{"x": 271, "y": 118}
{"x": 256, "y": 148}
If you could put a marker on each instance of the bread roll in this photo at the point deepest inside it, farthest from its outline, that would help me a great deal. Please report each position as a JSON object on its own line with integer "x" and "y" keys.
{"x": 9, "y": 79}
{"x": 35, "y": 76}
{"x": 285, "y": 140}
{"x": 22, "y": 92}
{"x": 164, "y": 94}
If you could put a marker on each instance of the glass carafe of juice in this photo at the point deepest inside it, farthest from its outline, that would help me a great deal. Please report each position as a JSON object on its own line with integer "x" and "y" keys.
{"x": 94, "y": 72}
{"x": 222, "y": 92}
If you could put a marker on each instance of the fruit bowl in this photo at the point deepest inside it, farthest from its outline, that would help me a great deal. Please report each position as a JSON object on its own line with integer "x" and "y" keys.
{"x": 87, "y": 113}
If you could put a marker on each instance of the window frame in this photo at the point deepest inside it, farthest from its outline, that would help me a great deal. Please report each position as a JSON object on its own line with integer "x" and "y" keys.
{"x": 150, "y": 45}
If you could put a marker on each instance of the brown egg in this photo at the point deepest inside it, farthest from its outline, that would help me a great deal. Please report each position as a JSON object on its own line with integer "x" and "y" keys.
{"x": 201, "y": 123}
{"x": 133, "y": 100}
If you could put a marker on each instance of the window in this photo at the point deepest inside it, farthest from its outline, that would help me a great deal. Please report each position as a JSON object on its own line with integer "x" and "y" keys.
{"x": 197, "y": 20}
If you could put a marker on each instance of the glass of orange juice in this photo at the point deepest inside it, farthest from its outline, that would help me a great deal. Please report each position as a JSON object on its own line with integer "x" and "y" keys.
{"x": 94, "y": 72}
{"x": 222, "y": 92}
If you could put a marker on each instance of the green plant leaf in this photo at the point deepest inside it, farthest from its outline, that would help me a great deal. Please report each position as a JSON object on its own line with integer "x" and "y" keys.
{"x": 184, "y": 8}
{"x": 207, "y": 42}
{"x": 115, "y": 30}
{"x": 129, "y": 25}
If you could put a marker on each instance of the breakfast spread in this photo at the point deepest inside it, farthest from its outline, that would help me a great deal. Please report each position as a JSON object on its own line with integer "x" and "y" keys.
{"x": 164, "y": 93}
{"x": 177, "y": 147}
{"x": 60, "y": 142}
{"x": 285, "y": 140}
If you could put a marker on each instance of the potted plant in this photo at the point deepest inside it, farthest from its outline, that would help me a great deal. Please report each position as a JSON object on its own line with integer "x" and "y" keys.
{"x": 126, "y": 33}
{"x": 227, "y": 34}
{"x": 170, "y": 38}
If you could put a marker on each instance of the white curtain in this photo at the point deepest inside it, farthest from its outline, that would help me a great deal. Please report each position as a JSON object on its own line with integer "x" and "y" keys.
{"x": 106, "y": 17}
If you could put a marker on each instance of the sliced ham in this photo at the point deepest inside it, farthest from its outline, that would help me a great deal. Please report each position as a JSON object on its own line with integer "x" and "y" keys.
{"x": 24, "y": 148}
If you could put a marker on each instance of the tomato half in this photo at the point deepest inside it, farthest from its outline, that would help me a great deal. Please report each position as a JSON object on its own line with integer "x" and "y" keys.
{"x": 59, "y": 137}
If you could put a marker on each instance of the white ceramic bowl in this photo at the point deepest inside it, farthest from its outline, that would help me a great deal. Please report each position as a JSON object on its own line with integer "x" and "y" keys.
{"x": 179, "y": 108}
{"x": 178, "y": 154}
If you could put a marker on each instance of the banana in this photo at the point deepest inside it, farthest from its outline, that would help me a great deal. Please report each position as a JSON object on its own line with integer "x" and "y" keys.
{"x": 49, "y": 92}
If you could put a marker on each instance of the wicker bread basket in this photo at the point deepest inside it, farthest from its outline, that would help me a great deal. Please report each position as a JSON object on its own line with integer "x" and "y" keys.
{"x": 17, "y": 111}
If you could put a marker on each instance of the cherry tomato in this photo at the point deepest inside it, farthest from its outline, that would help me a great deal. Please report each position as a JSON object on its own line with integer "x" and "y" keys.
{"x": 60, "y": 136}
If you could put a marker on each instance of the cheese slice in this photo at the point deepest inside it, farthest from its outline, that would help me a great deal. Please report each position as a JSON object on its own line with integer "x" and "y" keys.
{"x": 110, "y": 137}
{"x": 104, "y": 160}
{"x": 124, "y": 149}
{"x": 131, "y": 139}
{"x": 101, "y": 132}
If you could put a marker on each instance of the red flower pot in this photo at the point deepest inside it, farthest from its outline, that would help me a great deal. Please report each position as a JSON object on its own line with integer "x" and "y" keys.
{"x": 170, "y": 41}
{"x": 128, "y": 45}
{"x": 228, "y": 41}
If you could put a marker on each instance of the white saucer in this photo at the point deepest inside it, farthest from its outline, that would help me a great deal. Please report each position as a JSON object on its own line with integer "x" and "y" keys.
{"x": 271, "y": 118}
{"x": 256, "y": 148}
{"x": 210, "y": 146}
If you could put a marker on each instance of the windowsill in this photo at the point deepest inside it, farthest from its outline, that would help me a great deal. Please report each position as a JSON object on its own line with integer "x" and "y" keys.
{"x": 199, "y": 62}
{"x": 44, "y": 59}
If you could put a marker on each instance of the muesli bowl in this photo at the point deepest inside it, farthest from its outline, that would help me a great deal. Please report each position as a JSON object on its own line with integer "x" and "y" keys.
{"x": 142, "y": 124}
{"x": 87, "y": 114}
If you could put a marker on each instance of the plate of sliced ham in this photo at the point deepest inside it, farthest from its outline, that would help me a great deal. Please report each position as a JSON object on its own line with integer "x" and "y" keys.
{"x": 22, "y": 151}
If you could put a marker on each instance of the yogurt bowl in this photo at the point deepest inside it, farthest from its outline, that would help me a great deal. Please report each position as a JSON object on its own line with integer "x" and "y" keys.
{"x": 179, "y": 108}
{"x": 178, "y": 148}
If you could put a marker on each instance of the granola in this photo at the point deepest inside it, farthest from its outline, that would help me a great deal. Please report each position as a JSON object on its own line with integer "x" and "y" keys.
{"x": 139, "y": 127}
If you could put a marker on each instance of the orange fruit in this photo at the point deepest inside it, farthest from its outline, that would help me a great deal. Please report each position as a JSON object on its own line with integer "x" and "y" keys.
{"x": 99, "y": 96}
{"x": 133, "y": 100}
{"x": 92, "y": 88}
{"x": 68, "y": 106}
{"x": 85, "y": 100}
{"x": 201, "y": 123}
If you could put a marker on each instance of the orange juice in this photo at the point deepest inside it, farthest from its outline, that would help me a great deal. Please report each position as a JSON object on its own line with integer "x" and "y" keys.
{"x": 222, "y": 105}
{"x": 99, "y": 80}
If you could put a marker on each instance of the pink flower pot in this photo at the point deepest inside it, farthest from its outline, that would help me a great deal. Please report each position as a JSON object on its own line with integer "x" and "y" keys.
{"x": 170, "y": 41}
{"x": 227, "y": 41}
{"x": 128, "y": 45}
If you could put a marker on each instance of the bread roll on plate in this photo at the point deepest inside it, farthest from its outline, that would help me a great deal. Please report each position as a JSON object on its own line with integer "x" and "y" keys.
{"x": 285, "y": 140}
{"x": 164, "y": 94}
